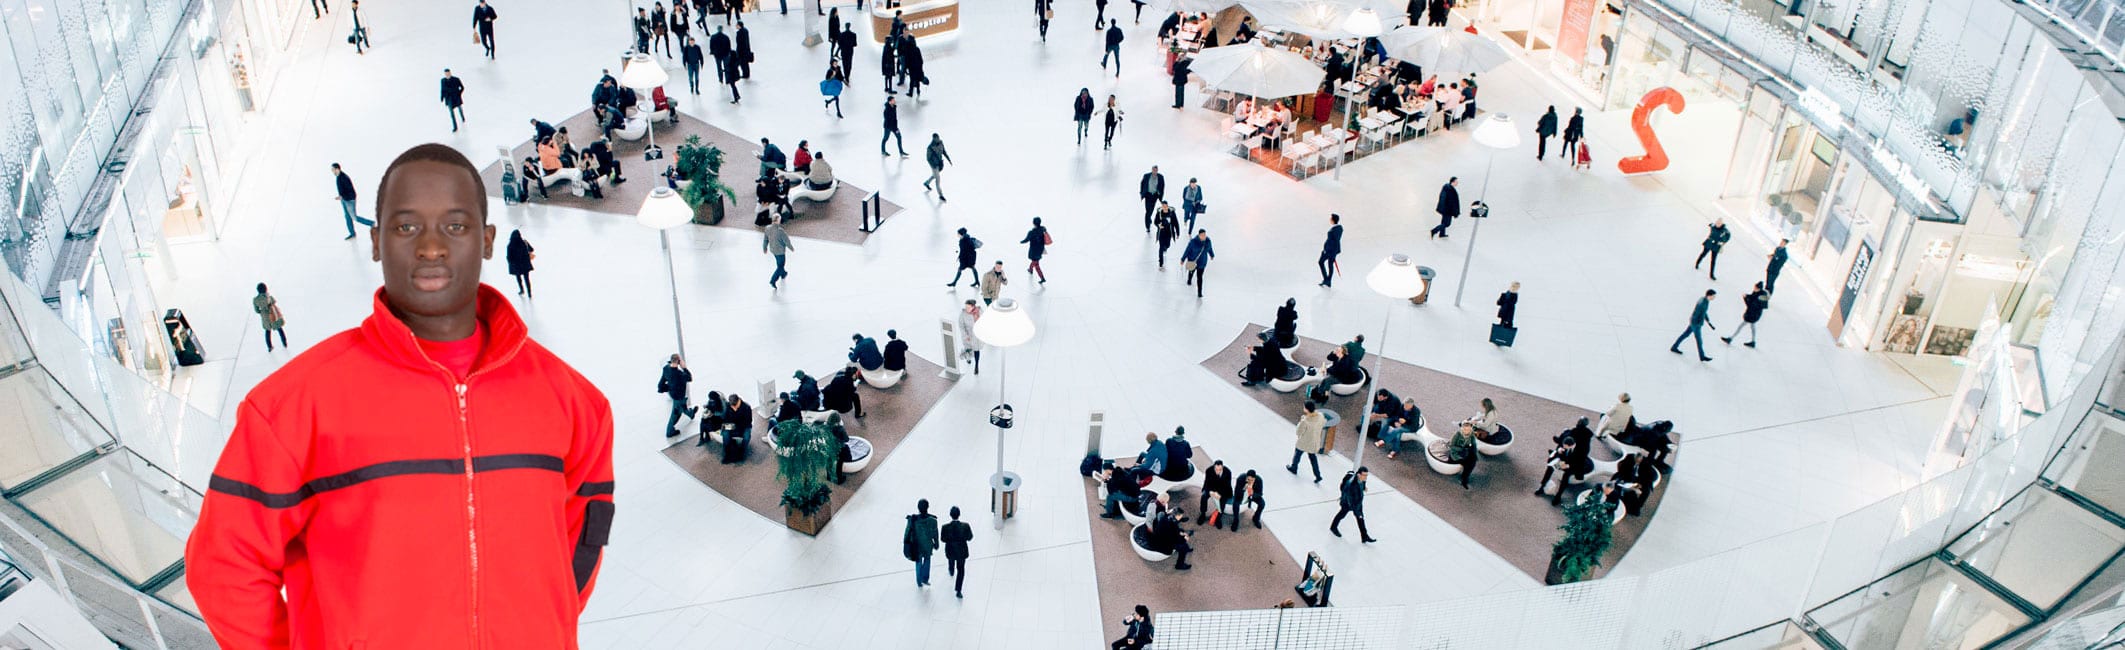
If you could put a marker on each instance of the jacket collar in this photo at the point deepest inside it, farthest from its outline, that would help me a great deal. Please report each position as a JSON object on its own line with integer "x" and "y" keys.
{"x": 505, "y": 330}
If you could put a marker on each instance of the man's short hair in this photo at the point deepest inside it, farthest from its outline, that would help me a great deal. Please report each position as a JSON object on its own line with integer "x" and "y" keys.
{"x": 438, "y": 153}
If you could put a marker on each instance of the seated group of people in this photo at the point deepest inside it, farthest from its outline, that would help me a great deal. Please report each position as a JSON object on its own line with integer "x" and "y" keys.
{"x": 867, "y": 356}
{"x": 839, "y": 396}
{"x": 1571, "y": 460}
{"x": 556, "y": 159}
{"x": 780, "y": 173}
{"x": 1221, "y": 499}
{"x": 729, "y": 412}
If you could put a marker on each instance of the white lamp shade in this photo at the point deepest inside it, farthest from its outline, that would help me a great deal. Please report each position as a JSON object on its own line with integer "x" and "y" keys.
{"x": 1497, "y": 132}
{"x": 1396, "y": 277}
{"x": 1363, "y": 23}
{"x": 664, "y": 209}
{"x": 1004, "y": 325}
{"x": 642, "y": 72}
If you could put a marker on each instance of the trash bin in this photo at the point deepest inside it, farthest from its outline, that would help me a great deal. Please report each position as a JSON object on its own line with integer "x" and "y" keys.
{"x": 1422, "y": 296}
{"x": 1003, "y": 495}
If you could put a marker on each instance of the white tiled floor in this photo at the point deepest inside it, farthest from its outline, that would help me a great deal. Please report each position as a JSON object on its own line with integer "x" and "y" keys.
{"x": 1604, "y": 261}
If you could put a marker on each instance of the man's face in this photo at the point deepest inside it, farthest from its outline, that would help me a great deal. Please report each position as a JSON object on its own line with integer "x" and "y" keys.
{"x": 430, "y": 239}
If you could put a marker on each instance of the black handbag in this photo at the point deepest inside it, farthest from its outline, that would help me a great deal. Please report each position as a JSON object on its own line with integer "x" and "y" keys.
{"x": 1502, "y": 336}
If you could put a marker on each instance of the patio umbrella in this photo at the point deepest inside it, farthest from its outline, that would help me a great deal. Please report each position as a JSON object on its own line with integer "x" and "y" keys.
{"x": 1321, "y": 19}
{"x": 1203, "y": 6}
{"x": 1450, "y": 51}
{"x": 1410, "y": 42}
{"x": 1260, "y": 71}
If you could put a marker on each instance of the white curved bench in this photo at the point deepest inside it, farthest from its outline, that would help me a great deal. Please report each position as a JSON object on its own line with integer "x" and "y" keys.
{"x": 1161, "y": 484}
{"x": 804, "y": 192}
{"x": 1440, "y": 465}
{"x": 1311, "y": 376}
{"x": 856, "y": 465}
{"x": 1352, "y": 388}
{"x": 635, "y": 128}
{"x": 1291, "y": 354}
{"x": 816, "y": 417}
{"x": 1144, "y": 531}
{"x": 568, "y": 175}
{"x": 882, "y": 378}
{"x": 1489, "y": 449}
{"x": 1589, "y": 495}
{"x": 1132, "y": 517}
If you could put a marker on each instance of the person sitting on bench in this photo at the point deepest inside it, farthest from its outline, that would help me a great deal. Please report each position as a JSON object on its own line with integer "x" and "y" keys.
{"x": 1571, "y": 456}
{"x": 1652, "y": 438}
{"x": 1342, "y": 369}
{"x": 1386, "y": 408}
{"x": 865, "y": 353}
{"x": 1247, "y": 491}
{"x": 1265, "y": 363}
{"x": 1402, "y": 428}
{"x": 1122, "y": 491}
{"x": 807, "y": 393}
{"x": 1154, "y": 454}
{"x": 819, "y": 175}
{"x": 896, "y": 352}
{"x": 1178, "y": 454}
{"x": 1166, "y": 535}
{"x": 840, "y": 394}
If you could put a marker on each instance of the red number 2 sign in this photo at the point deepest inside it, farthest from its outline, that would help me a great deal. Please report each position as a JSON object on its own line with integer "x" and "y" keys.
{"x": 1656, "y": 157}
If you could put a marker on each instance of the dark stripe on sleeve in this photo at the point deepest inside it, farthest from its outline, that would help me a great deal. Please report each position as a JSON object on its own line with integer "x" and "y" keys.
{"x": 429, "y": 466}
{"x": 595, "y": 489}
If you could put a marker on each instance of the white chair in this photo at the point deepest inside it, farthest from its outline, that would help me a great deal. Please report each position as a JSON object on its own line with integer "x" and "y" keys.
{"x": 1293, "y": 154}
{"x": 803, "y": 192}
{"x": 857, "y": 464}
{"x": 1139, "y": 536}
{"x": 1493, "y": 449}
{"x": 1134, "y": 518}
{"x": 1435, "y": 454}
{"x": 635, "y": 128}
{"x": 1288, "y": 384}
{"x": 570, "y": 175}
{"x": 1352, "y": 388}
{"x": 816, "y": 417}
{"x": 883, "y": 378}
{"x": 1161, "y": 485}
{"x": 1588, "y": 495}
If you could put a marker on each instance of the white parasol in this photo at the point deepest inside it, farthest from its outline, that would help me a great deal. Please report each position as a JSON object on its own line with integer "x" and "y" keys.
{"x": 1321, "y": 19}
{"x": 1256, "y": 70}
{"x": 1449, "y": 52}
{"x": 1203, "y": 6}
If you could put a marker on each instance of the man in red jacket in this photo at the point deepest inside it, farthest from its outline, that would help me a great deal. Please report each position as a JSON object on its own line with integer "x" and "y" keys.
{"x": 431, "y": 479}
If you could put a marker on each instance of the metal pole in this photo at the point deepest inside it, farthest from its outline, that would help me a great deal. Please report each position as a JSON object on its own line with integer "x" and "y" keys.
{"x": 1003, "y": 372}
{"x": 1374, "y": 389}
{"x": 1345, "y": 101}
{"x": 678, "y": 329}
{"x": 1476, "y": 230}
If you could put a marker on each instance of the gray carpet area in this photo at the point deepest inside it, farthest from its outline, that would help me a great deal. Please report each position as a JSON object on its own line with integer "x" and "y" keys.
{"x": 891, "y": 414}
{"x": 834, "y": 220}
{"x": 1231, "y": 570}
{"x": 1499, "y": 509}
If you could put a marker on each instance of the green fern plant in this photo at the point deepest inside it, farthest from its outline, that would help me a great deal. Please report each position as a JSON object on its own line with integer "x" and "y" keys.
{"x": 1588, "y": 532}
{"x": 701, "y": 165}
{"x": 805, "y": 465}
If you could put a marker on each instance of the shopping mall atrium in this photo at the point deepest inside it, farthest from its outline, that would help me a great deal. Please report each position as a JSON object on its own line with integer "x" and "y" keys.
{"x": 302, "y": 293}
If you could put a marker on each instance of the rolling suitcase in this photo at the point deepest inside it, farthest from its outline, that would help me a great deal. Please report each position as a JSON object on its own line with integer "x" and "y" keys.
{"x": 1502, "y": 336}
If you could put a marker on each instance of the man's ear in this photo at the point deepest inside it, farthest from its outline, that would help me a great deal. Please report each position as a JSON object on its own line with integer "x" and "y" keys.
{"x": 487, "y": 248}
{"x": 376, "y": 243}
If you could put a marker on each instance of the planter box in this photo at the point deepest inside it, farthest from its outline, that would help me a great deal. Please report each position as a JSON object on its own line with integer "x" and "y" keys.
{"x": 809, "y": 525}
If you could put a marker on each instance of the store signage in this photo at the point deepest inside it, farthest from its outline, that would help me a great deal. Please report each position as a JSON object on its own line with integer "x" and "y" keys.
{"x": 1855, "y": 280}
{"x": 1825, "y": 110}
{"x": 924, "y": 19}
{"x": 1571, "y": 35}
{"x": 1900, "y": 173}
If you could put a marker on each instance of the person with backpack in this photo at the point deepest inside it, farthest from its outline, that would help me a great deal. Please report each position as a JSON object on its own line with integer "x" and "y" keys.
{"x": 673, "y": 384}
{"x": 1037, "y": 241}
{"x": 919, "y": 541}
{"x": 956, "y": 535}
{"x": 1752, "y": 306}
{"x": 967, "y": 245}
{"x": 268, "y": 309}
{"x": 1352, "y": 502}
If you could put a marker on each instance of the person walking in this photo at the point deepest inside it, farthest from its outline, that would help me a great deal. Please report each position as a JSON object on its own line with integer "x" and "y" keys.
{"x": 889, "y": 62}
{"x": 836, "y": 80}
{"x": 660, "y": 30}
{"x": 346, "y": 196}
{"x": 360, "y": 38}
{"x": 741, "y": 48}
{"x": 955, "y": 537}
{"x": 1330, "y": 249}
{"x": 519, "y": 255}
{"x": 1043, "y": 11}
{"x": 268, "y": 309}
{"x": 1180, "y": 80}
{"x": 1113, "y": 120}
{"x": 414, "y": 368}
{"x": 318, "y": 8}
{"x": 729, "y": 74}
{"x": 1168, "y": 230}
{"x": 690, "y": 56}
{"x": 992, "y": 284}
{"x": 1352, "y": 502}
{"x": 967, "y": 244}
{"x": 1508, "y": 303}
{"x": 1449, "y": 206}
{"x": 680, "y": 24}
{"x": 848, "y": 49}
{"x": 1770, "y": 272}
{"x": 719, "y": 49}
{"x": 673, "y": 384}
{"x": 1752, "y": 306}
{"x": 1700, "y": 318}
{"x": 919, "y": 542}
{"x": 483, "y": 27}
{"x": 776, "y": 242}
{"x": 1196, "y": 257}
{"x": 1311, "y": 440}
{"x": 453, "y": 98}
{"x": 892, "y": 129}
{"x": 1574, "y": 130}
{"x": 1544, "y": 128}
{"x": 938, "y": 158}
{"x": 1152, "y": 189}
{"x": 1192, "y": 201}
{"x": 1037, "y": 241}
{"x": 1715, "y": 238}
{"x": 1114, "y": 48}
{"x": 1099, "y": 14}
{"x": 642, "y": 31}
{"x": 1081, "y": 112}
{"x": 969, "y": 346}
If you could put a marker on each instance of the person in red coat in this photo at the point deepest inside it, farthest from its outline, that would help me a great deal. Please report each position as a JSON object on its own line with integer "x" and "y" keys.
{"x": 430, "y": 479}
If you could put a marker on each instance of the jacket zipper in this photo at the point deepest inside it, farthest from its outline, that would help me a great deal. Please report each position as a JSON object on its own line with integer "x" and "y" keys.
{"x": 472, "y": 532}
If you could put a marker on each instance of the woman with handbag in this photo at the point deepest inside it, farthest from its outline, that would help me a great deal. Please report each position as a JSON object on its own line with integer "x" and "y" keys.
{"x": 269, "y": 317}
{"x": 519, "y": 254}
{"x": 970, "y": 347}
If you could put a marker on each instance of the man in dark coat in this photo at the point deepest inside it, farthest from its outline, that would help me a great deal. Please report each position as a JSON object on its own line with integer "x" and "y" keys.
{"x": 889, "y": 63}
{"x": 1166, "y": 536}
{"x": 1770, "y": 273}
{"x": 920, "y": 541}
{"x": 1574, "y": 129}
{"x": 840, "y": 395}
{"x": 966, "y": 259}
{"x": 742, "y": 48}
{"x": 1508, "y": 303}
{"x": 1449, "y": 206}
{"x": 673, "y": 384}
{"x": 730, "y": 76}
{"x": 807, "y": 394}
{"x": 453, "y": 98}
{"x": 896, "y": 352}
{"x": 1152, "y": 189}
{"x": 1114, "y": 48}
{"x": 1330, "y": 249}
{"x": 690, "y": 55}
{"x": 483, "y": 22}
{"x": 1352, "y": 502}
{"x": 1217, "y": 483}
{"x": 1544, "y": 128}
{"x": 1180, "y": 82}
{"x": 955, "y": 537}
{"x": 719, "y": 49}
{"x": 892, "y": 126}
{"x": 848, "y": 48}
{"x": 642, "y": 31}
{"x": 1715, "y": 238}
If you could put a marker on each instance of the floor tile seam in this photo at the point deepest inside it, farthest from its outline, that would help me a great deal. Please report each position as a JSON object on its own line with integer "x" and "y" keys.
{"x": 729, "y": 599}
{"x": 1870, "y": 409}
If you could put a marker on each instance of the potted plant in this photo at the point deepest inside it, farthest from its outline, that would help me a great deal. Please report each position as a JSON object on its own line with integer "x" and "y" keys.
{"x": 700, "y": 169}
{"x": 807, "y": 453}
{"x": 1588, "y": 531}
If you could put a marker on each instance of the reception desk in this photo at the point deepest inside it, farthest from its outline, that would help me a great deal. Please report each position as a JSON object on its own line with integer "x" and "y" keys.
{"x": 927, "y": 21}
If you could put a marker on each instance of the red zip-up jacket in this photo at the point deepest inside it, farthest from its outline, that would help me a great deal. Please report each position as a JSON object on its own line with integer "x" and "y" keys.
{"x": 401, "y": 508}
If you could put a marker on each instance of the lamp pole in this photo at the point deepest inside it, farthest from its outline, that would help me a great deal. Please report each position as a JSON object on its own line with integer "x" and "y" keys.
{"x": 1395, "y": 277}
{"x": 1004, "y": 326}
{"x": 678, "y": 329}
{"x": 1372, "y": 388}
{"x": 664, "y": 210}
{"x": 1474, "y": 231}
{"x": 1496, "y": 133}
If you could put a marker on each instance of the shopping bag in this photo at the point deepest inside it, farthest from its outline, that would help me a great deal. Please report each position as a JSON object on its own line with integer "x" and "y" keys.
{"x": 1502, "y": 335}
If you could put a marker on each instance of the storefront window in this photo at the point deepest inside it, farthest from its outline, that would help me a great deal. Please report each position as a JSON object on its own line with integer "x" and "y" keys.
{"x": 1646, "y": 59}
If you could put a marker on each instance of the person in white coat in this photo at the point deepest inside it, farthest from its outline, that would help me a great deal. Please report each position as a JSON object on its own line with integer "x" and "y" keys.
{"x": 970, "y": 347}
